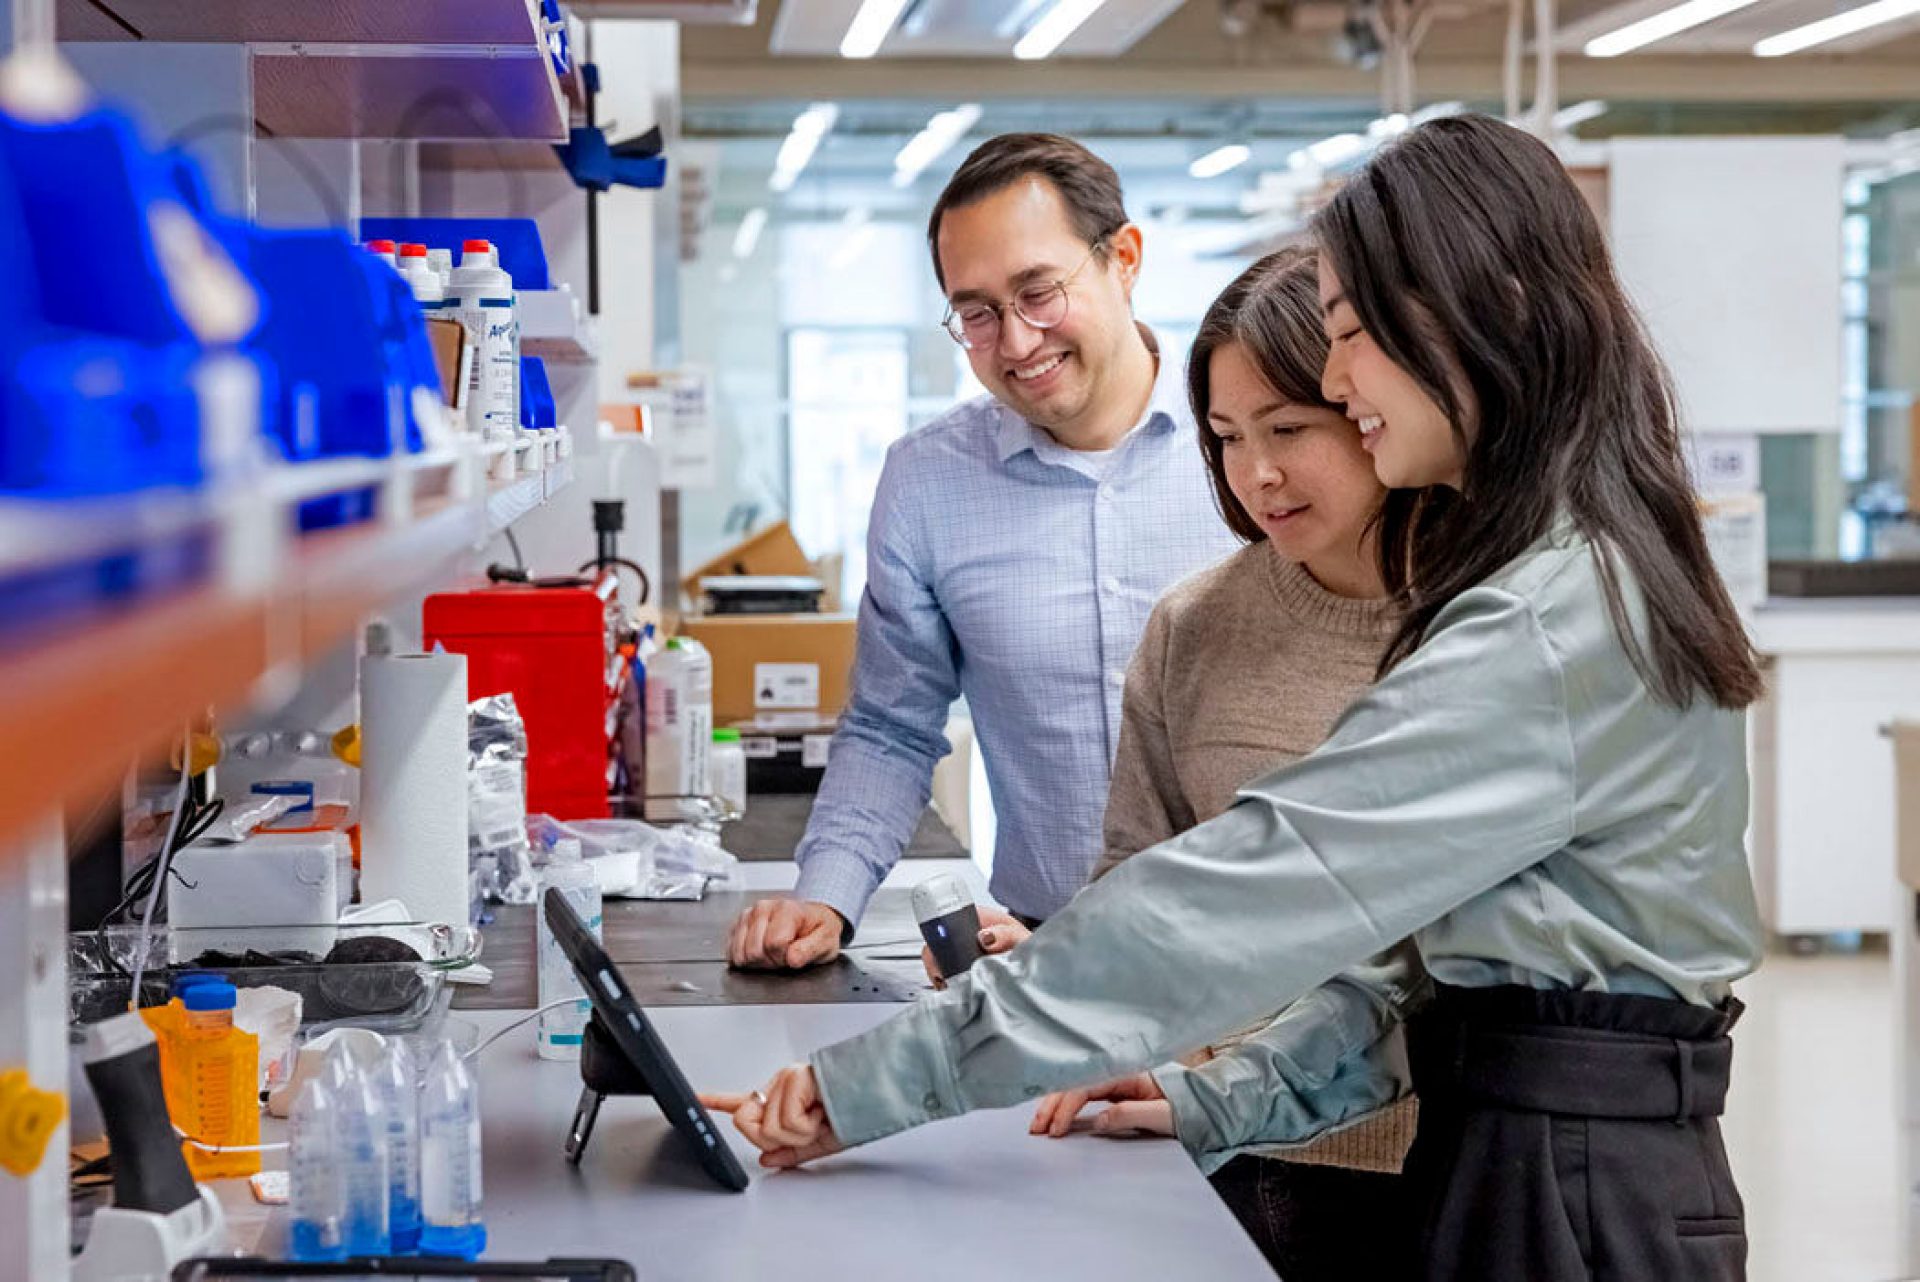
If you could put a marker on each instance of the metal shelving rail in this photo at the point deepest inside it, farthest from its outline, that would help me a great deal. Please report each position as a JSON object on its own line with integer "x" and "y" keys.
{"x": 426, "y": 69}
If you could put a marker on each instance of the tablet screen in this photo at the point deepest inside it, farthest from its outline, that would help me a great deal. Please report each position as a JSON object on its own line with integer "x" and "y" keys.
{"x": 634, "y": 1034}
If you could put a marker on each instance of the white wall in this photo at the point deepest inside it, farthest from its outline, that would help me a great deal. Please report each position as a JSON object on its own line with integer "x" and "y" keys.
{"x": 639, "y": 230}
{"x": 1731, "y": 247}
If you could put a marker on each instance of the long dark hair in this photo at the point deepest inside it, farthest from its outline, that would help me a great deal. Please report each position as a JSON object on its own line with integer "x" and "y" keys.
{"x": 1471, "y": 259}
{"x": 1272, "y": 309}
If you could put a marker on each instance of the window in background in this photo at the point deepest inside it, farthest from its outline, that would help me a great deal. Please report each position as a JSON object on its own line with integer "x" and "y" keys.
{"x": 1882, "y": 248}
{"x": 847, "y": 402}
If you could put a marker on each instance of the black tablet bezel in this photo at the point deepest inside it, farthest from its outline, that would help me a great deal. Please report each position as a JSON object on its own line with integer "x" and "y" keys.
{"x": 634, "y": 1033}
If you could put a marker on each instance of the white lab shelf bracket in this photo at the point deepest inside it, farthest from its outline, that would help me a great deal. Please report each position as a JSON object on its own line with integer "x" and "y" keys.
{"x": 33, "y": 1035}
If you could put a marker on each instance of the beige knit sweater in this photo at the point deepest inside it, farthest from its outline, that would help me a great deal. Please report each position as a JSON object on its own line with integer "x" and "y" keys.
{"x": 1244, "y": 667}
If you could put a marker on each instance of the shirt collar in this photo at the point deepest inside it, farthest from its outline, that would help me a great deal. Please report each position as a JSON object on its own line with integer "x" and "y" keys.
{"x": 1166, "y": 408}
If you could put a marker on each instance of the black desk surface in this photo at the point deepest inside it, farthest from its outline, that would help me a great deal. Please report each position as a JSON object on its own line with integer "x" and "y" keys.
{"x": 673, "y": 953}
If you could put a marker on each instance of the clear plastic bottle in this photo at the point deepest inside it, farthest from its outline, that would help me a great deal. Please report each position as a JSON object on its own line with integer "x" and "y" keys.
{"x": 727, "y": 769}
{"x": 441, "y": 260}
{"x": 484, "y": 302}
{"x": 562, "y": 1027}
{"x": 316, "y": 1204}
{"x": 396, "y": 1076}
{"x": 679, "y": 731}
{"x": 360, "y": 1136}
{"x": 451, "y": 1223}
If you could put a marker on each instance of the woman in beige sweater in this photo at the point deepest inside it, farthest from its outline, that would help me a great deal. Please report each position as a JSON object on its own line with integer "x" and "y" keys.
{"x": 1244, "y": 668}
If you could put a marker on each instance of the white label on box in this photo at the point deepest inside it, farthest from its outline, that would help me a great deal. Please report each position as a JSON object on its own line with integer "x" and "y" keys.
{"x": 786, "y": 685}
{"x": 814, "y": 749}
{"x": 760, "y": 748}
{"x": 1725, "y": 462}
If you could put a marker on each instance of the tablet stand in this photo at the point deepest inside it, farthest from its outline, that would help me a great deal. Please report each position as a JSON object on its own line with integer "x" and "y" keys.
{"x": 604, "y": 1070}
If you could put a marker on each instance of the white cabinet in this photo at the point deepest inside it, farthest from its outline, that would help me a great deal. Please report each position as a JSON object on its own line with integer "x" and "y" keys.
{"x": 1823, "y": 782}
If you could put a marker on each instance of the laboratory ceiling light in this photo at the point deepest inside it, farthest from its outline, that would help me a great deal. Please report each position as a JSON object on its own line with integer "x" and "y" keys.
{"x": 1220, "y": 160}
{"x": 858, "y": 230}
{"x": 1054, "y": 27}
{"x": 748, "y": 234}
{"x": 1329, "y": 152}
{"x": 1840, "y": 24}
{"x": 1578, "y": 114}
{"x": 1668, "y": 22}
{"x": 933, "y": 141}
{"x": 869, "y": 28}
{"x": 809, "y": 127}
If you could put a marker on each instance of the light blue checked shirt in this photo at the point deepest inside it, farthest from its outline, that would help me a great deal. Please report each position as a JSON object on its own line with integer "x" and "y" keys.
{"x": 1003, "y": 566}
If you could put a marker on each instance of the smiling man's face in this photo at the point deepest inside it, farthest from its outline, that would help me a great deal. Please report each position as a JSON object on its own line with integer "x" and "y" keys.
{"x": 1060, "y": 378}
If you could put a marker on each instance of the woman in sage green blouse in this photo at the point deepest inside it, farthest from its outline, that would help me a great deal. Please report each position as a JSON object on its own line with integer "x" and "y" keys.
{"x": 1546, "y": 789}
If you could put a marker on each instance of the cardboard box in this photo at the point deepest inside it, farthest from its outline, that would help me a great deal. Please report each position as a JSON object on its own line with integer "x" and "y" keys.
{"x": 776, "y": 665}
{"x": 448, "y": 339}
{"x": 771, "y": 551}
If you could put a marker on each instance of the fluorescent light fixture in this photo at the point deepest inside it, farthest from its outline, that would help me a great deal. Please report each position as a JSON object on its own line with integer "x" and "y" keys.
{"x": 869, "y": 28}
{"x": 809, "y": 127}
{"x": 1220, "y": 160}
{"x": 1331, "y": 151}
{"x": 932, "y": 142}
{"x": 1388, "y": 126}
{"x": 1578, "y": 114}
{"x": 1435, "y": 110}
{"x": 748, "y": 233}
{"x": 1839, "y": 25}
{"x": 859, "y": 230}
{"x": 1053, "y": 29}
{"x": 1668, "y": 22}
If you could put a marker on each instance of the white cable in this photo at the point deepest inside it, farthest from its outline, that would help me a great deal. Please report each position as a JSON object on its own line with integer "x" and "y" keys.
{"x": 555, "y": 1004}
{"x": 163, "y": 867}
{"x": 231, "y": 1148}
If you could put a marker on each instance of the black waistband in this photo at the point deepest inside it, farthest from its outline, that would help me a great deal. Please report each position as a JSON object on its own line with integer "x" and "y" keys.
{"x": 1574, "y": 1054}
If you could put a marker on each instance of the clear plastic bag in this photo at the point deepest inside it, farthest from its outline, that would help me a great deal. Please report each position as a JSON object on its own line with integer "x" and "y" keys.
{"x": 635, "y": 860}
{"x": 497, "y": 800}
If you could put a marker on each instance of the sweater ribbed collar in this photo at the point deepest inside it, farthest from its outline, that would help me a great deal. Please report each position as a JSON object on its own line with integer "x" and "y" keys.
{"x": 1315, "y": 607}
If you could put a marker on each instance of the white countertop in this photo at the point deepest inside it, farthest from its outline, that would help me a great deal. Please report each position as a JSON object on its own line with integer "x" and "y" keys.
{"x": 1837, "y": 625}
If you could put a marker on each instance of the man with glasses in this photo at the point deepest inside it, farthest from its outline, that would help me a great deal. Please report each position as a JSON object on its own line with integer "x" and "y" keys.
{"x": 1016, "y": 547}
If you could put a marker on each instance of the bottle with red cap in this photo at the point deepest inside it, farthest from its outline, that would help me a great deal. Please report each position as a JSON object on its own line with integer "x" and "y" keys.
{"x": 483, "y": 300}
{"x": 422, "y": 279}
{"x": 384, "y": 251}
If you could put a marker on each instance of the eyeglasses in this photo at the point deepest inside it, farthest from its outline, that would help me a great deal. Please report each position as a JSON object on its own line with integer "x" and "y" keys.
{"x": 1042, "y": 305}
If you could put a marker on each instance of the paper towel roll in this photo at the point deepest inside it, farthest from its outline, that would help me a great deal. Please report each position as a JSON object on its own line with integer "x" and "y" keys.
{"x": 413, "y": 783}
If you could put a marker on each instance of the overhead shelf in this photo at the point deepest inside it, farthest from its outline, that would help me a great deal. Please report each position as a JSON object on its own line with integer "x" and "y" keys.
{"x": 84, "y": 699}
{"x": 438, "y": 70}
{"x": 352, "y": 22}
{"x": 450, "y": 94}
{"x": 553, "y": 327}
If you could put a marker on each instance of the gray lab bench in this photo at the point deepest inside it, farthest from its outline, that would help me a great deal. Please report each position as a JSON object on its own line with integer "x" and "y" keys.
{"x": 970, "y": 1197}
{"x": 962, "y": 1199}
